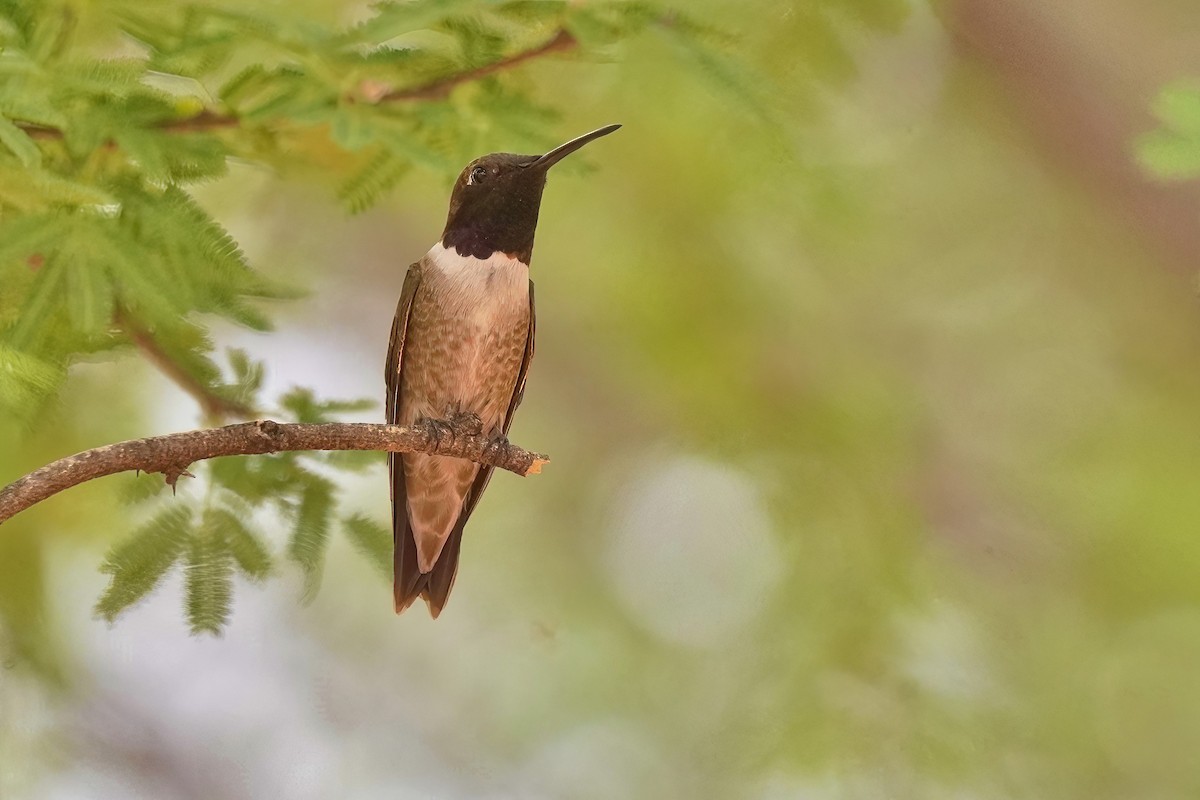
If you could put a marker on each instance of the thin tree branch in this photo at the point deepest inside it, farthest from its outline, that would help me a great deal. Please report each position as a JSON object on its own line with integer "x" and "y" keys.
{"x": 214, "y": 407}
{"x": 206, "y": 120}
{"x": 562, "y": 41}
{"x": 209, "y": 120}
{"x": 172, "y": 454}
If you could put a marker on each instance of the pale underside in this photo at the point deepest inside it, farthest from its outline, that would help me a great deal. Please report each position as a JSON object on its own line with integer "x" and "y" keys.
{"x": 467, "y": 333}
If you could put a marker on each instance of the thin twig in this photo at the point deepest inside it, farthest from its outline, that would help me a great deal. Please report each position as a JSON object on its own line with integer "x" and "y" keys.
{"x": 172, "y": 454}
{"x": 209, "y": 120}
{"x": 214, "y": 407}
{"x": 561, "y": 41}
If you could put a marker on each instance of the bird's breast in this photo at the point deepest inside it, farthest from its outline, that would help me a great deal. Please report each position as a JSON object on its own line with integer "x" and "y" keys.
{"x": 466, "y": 336}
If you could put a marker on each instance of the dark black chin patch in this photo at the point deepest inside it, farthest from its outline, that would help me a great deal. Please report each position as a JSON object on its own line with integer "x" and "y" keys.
{"x": 484, "y": 244}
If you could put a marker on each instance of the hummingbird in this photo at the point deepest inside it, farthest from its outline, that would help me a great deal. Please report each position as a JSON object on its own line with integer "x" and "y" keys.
{"x": 461, "y": 345}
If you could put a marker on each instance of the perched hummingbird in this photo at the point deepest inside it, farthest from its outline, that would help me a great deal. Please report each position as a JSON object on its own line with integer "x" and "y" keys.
{"x": 461, "y": 344}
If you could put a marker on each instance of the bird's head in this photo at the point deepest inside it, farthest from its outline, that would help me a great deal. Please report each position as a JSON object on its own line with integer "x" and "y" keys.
{"x": 495, "y": 202}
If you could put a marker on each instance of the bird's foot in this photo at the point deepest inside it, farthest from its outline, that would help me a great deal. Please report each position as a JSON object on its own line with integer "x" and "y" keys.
{"x": 439, "y": 429}
{"x": 456, "y": 423}
{"x": 466, "y": 422}
{"x": 500, "y": 446}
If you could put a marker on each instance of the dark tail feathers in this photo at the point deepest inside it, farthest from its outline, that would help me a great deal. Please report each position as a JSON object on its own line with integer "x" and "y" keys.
{"x": 434, "y": 586}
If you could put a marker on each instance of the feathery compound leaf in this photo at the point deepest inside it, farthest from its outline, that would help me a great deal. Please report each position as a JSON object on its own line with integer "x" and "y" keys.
{"x": 185, "y": 344}
{"x": 375, "y": 179}
{"x": 209, "y": 580}
{"x": 139, "y": 488}
{"x": 351, "y": 460}
{"x": 143, "y": 291}
{"x": 170, "y": 258}
{"x": 211, "y": 251}
{"x": 302, "y": 404}
{"x": 251, "y": 557}
{"x": 39, "y": 305}
{"x": 248, "y": 376}
{"x": 89, "y": 292}
{"x": 34, "y": 189}
{"x": 18, "y": 141}
{"x": 25, "y": 235}
{"x": 397, "y": 17}
{"x": 139, "y": 563}
{"x": 372, "y": 540}
{"x": 480, "y": 40}
{"x": 704, "y": 49}
{"x": 26, "y": 381}
{"x": 173, "y": 157}
{"x": 257, "y": 480}
{"x": 310, "y": 537}
{"x": 606, "y": 24}
{"x": 114, "y": 76}
{"x": 529, "y": 12}
{"x": 213, "y": 241}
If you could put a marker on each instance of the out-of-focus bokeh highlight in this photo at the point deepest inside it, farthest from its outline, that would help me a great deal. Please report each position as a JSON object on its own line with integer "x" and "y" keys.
{"x": 876, "y": 454}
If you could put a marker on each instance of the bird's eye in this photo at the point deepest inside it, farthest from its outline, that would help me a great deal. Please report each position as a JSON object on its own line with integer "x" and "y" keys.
{"x": 477, "y": 175}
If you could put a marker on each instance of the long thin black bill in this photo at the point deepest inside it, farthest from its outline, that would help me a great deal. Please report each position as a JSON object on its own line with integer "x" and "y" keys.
{"x": 564, "y": 150}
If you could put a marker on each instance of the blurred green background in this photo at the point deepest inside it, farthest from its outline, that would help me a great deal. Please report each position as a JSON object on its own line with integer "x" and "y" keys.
{"x": 872, "y": 404}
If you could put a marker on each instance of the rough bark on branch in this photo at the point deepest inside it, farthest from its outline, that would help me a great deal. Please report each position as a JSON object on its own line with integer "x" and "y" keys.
{"x": 172, "y": 454}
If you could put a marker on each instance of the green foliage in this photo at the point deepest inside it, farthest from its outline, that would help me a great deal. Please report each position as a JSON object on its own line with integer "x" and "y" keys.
{"x": 209, "y": 573}
{"x": 209, "y": 552}
{"x": 99, "y": 238}
{"x": 25, "y": 380}
{"x": 310, "y": 537}
{"x": 289, "y": 489}
{"x": 248, "y": 552}
{"x": 1173, "y": 151}
{"x": 104, "y": 250}
{"x": 139, "y": 563}
{"x": 303, "y": 405}
{"x": 375, "y": 177}
{"x": 372, "y": 540}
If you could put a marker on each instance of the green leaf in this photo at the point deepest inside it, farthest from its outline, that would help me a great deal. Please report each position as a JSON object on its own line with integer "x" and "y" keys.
{"x": 206, "y": 242}
{"x": 257, "y": 480}
{"x": 26, "y": 381}
{"x": 532, "y": 11}
{"x": 148, "y": 297}
{"x": 353, "y": 460}
{"x": 351, "y": 127}
{"x": 286, "y": 93}
{"x": 601, "y": 25}
{"x": 248, "y": 376}
{"x": 139, "y": 563}
{"x": 310, "y": 537}
{"x": 39, "y": 305}
{"x": 18, "y": 141}
{"x": 139, "y": 488}
{"x": 89, "y": 293}
{"x": 397, "y": 17}
{"x": 372, "y": 540}
{"x": 1170, "y": 156}
{"x": 209, "y": 580}
{"x": 1178, "y": 107}
{"x": 302, "y": 404}
{"x": 251, "y": 557}
{"x": 24, "y": 235}
{"x": 33, "y": 189}
{"x": 116, "y": 76}
{"x": 706, "y": 51}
